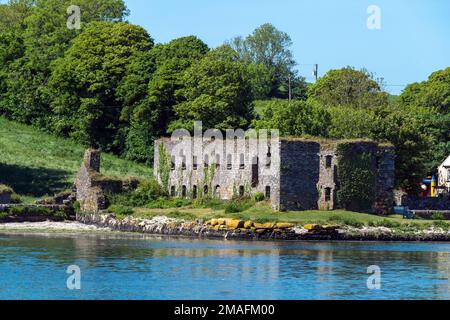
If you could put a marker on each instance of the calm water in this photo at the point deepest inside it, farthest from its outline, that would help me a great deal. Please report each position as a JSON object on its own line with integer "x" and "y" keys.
{"x": 139, "y": 267}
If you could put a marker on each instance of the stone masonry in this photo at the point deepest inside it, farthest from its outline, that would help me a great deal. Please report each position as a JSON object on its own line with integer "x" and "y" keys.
{"x": 293, "y": 174}
{"x": 91, "y": 186}
{"x": 5, "y": 197}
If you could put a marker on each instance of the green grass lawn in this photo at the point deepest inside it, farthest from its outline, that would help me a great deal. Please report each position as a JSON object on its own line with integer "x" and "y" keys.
{"x": 36, "y": 164}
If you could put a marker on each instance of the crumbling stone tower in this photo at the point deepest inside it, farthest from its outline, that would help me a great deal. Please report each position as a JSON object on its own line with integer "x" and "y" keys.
{"x": 91, "y": 186}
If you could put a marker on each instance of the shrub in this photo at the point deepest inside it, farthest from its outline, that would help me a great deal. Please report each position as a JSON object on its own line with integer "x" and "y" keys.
{"x": 77, "y": 207}
{"x": 438, "y": 216}
{"x": 148, "y": 190}
{"x": 163, "y": 203}
{"x": 259, "y": 196}
{"x": 441, "y": 224}
{"x": 5, "y": 188}
{"x": 15, "y": 198}
{"x": 385, "y": 223}
{"x": 236, "y": 206}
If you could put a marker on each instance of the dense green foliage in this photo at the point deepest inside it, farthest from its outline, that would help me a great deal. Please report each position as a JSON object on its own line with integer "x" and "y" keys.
{"x": 217, "y": 91}
{"x": 356, "y": 174}
{"x": 349, "y": 87}
{"x": 82, "y": 86}
{"x": 295, "y": 118}
{"x": 270, "y": 48}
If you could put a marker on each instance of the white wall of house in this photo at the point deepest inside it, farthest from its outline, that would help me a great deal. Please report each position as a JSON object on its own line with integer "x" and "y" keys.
{"x": 444, "y": 174}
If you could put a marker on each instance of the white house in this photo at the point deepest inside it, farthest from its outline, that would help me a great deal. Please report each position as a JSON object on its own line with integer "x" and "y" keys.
{"x": 444, "y": 174}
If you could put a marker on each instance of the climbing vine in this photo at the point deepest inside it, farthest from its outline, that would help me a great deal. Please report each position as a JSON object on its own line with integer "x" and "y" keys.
{"x": 164, "y": 167}
{"x": 356, "y": 176}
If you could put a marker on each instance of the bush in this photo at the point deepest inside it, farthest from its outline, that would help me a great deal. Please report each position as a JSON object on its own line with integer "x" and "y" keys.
{"x": 163, "y": 203}
{"x": 5, "y": 188}
{"x": 441, "y": 224}
{"x": 36, "y": 211}
{"x": 15, "y": 198}
{"x": 438, "y": 216}
{"x": 77, "y": 207}
{"x": 385, "y": 223}
{"x": 259, "y": 196}
{"x": 236, "y": 206}
{"x": 120, "y": 210}
{"x": 148, "y": 191}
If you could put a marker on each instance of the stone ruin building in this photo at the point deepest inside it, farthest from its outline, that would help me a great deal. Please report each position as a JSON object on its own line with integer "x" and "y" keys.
{"x": 293, "y": 174}
{"x": 92, "y": 187}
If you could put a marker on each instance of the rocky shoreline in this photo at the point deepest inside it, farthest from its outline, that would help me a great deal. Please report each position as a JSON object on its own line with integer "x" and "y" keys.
{"x": 231, "y": 229}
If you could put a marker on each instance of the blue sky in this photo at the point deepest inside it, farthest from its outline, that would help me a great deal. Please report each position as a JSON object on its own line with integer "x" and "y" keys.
{"x": 414, "y": 39}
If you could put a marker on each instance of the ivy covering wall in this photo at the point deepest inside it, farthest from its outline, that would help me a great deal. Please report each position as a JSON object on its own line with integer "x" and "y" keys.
{"x": 164, "y": 167}
{"x": 356, "y": 172}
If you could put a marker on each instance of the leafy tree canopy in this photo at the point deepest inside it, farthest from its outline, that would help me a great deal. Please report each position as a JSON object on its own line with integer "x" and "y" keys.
{"x": 82, "y": 87}
{"x": 216, "y": 91}
{"x": 295, "y": 118}
{"x": 271, "y": 48}
{"x": 348, "y": 86}
{"x": 433, "y": 93}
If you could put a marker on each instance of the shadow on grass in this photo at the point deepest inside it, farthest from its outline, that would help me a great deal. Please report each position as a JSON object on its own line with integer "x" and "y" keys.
{"x": 36, "y": 182}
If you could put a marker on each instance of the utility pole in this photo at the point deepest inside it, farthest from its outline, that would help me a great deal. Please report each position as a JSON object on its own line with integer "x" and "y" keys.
{"x": 316, "y": 71}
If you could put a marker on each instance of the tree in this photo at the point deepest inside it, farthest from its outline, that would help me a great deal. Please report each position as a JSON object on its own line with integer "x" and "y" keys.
{"x": 430, "y": 102}
{"x": 269, "y": 47}
{"x": 12, "y": 26}
{"x": 433, "y": 93}
{"x": 216, "y": 91}
{"x": 148, "y": 92}
{"x": 82, "y": 86}
{"x": 399, "y": 127}
{"x": 45, "y": 38}
{"x": 348, "y": 86}
{"x": 295, "y": 118}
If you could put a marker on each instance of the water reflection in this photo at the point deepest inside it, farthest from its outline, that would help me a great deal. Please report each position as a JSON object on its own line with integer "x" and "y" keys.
{"x": 118, "y": 266}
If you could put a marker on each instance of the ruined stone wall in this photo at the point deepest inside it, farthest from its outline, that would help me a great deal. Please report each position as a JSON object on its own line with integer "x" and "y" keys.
{"x": 91, "y": 186}
{"x": 5, "y": 197}
{"x": 299, "y": 177}
{"x": 385, "y": 200}
{"x": 302, "y": 174}
{"x": 327, "y": 185}
{"x": 224, "y": 171}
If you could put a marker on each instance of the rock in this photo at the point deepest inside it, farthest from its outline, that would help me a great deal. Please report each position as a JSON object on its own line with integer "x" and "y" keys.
{"x": 330, "y": 227}
{"x": 312, "y": 227}
{"x": 234, "y": 223}
{"x": 264, "y": 225}
{"x": 248, "y": 224}
{"x": 281, "y": 225}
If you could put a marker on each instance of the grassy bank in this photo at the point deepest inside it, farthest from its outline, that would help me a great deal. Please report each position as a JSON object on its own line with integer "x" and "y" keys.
{"x": 37, "y": 164}
{"x": 261, "y": 212}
